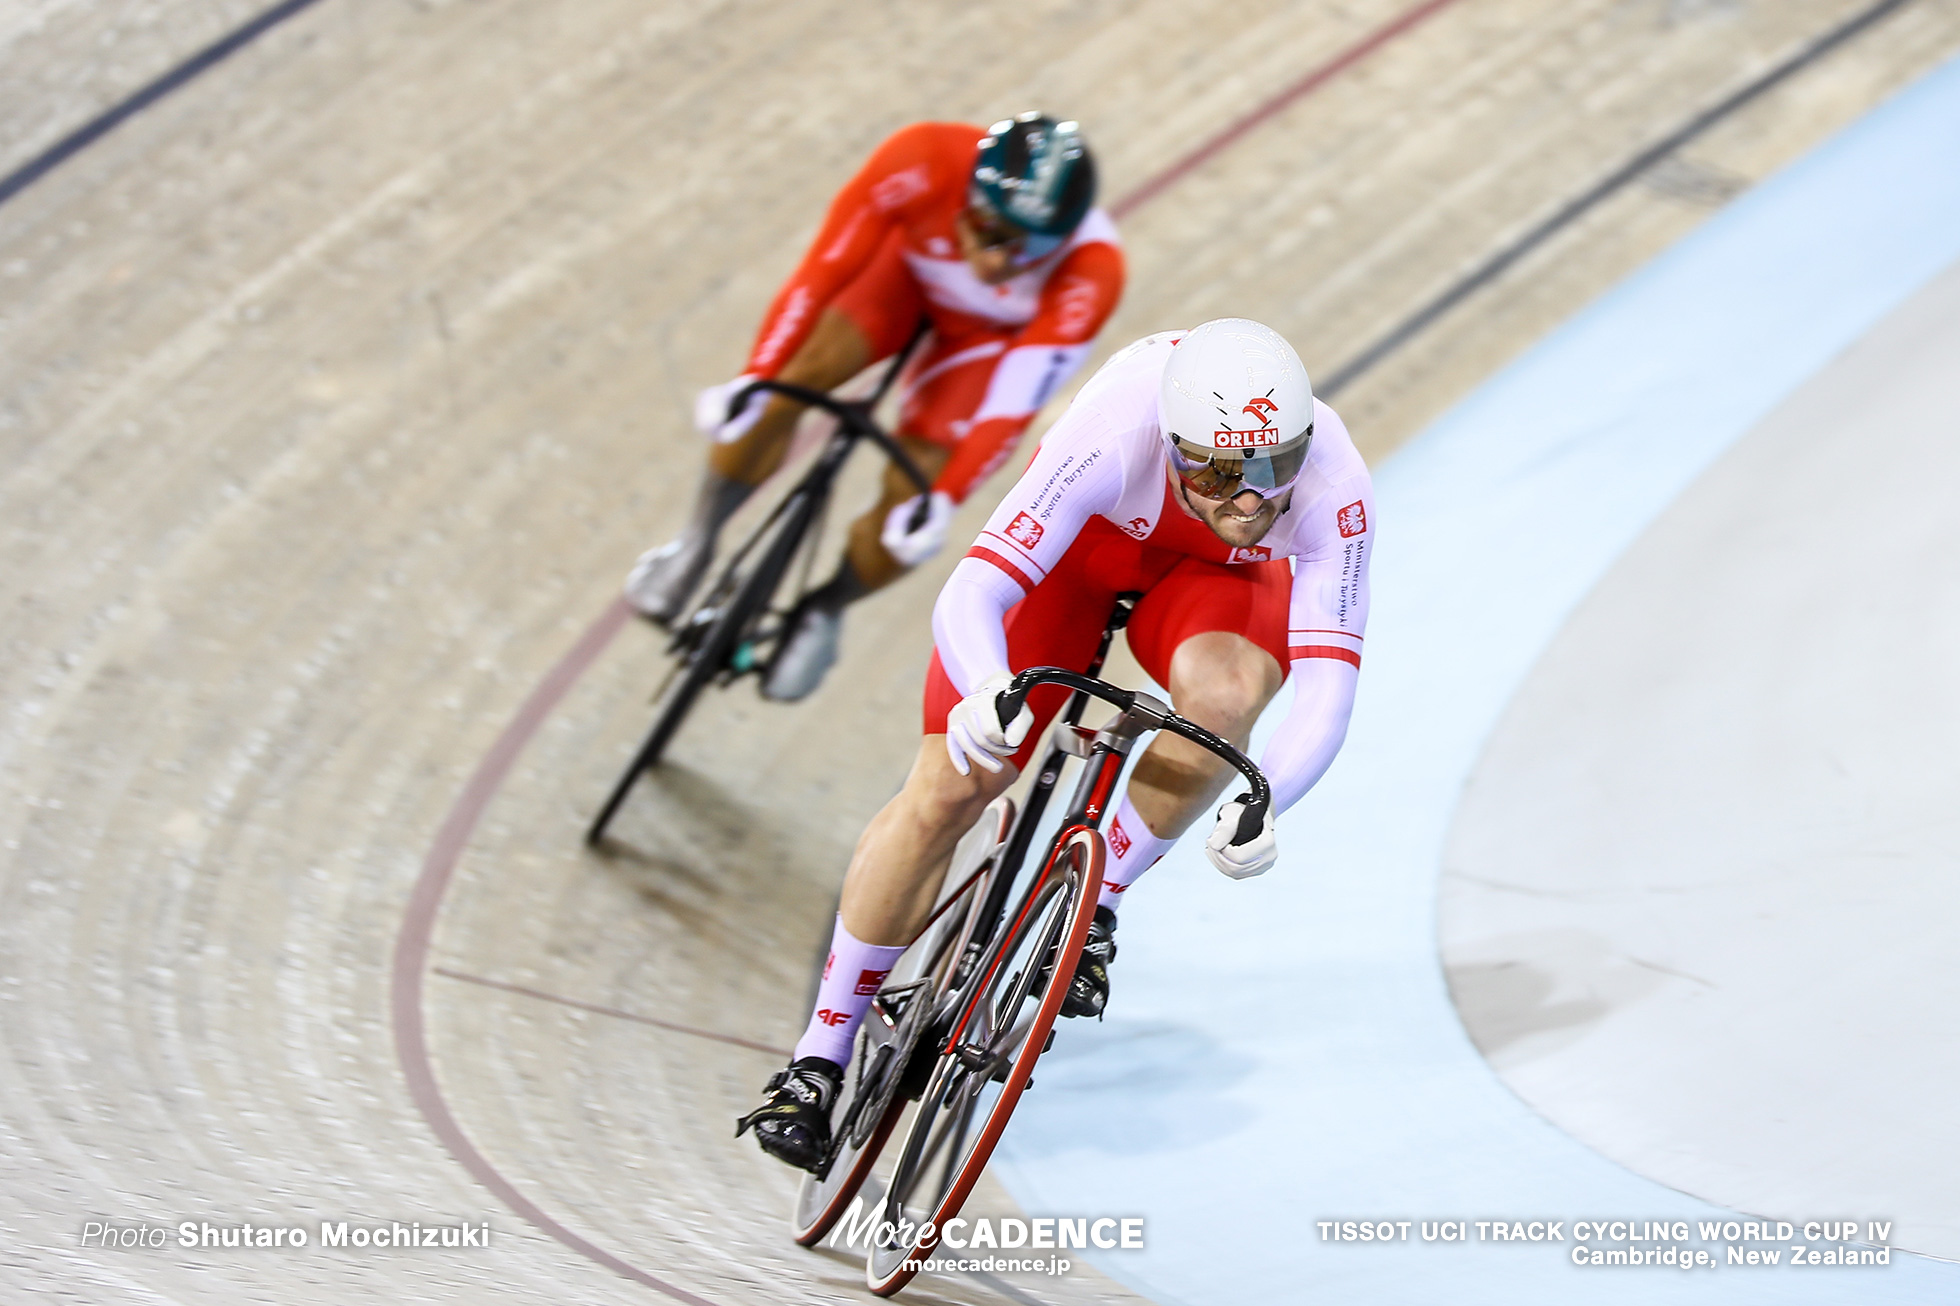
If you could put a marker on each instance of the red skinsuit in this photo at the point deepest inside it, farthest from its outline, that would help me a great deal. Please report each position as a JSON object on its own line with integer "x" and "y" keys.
{"x": 888, "y": 252}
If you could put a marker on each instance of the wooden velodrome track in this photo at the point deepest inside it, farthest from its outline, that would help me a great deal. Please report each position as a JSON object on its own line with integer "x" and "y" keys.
{"x": 339, "y": 387}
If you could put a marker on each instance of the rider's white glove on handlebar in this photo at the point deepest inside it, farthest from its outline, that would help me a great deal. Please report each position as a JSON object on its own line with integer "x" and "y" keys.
{"x": 912, "y": 547}
{"x": 973, "y": 732}
{"x": 1242, "y": 861}
{"x": 711, "y": 410}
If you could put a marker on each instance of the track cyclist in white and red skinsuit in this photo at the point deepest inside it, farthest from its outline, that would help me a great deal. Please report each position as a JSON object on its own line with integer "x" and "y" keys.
{"x": 993, "y": 237}
{"x": 1197, "y": 468}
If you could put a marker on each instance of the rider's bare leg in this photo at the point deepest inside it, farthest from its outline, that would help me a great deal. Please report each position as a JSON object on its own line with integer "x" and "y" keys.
{"x": 888, "y": 896}
{"x": 904, "y": 852}
{"x": 1221, "y": 681}
{"x": 811, "y": 646}
{"x": 835, "y": 351}
{"x": 663, "y": 578}
{"x": 867, "y": 565}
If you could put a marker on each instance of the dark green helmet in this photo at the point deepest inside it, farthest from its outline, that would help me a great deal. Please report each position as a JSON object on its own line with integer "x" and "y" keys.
{"x": 1037, "y": 174}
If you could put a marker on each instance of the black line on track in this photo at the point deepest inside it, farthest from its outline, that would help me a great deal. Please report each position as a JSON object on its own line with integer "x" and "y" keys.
{"x": 1495, "y": 266}
{"x": 614, "y": 1012}
{"x": 109, "y": 119}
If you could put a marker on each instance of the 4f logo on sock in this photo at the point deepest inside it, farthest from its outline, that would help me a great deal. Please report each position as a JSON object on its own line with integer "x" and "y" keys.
{"x": 869, "y": 980}
{"x": 832, "y": 1018}
{"x": 1119, "y": 838}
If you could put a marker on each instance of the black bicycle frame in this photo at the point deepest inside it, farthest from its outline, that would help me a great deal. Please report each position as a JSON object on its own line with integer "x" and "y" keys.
{"x": 854, "y": 416}
{"x": 854, "y": 423}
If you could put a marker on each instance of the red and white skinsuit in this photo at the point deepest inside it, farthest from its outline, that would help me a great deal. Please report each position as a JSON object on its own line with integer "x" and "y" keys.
{"x": 1098, "y": 513}
{"x": 888, "y": 253}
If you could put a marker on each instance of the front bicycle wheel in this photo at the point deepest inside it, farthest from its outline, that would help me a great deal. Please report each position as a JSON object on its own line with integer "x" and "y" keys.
{"x": 1003, "y": 1026}
{"x": 727, "y": 630}
{"x": 896, "y": 1025}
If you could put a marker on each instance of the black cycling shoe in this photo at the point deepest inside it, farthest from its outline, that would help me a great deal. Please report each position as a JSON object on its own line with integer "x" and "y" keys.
{"x": 793, "y": 1123}
{"x": 1088, "y": 992}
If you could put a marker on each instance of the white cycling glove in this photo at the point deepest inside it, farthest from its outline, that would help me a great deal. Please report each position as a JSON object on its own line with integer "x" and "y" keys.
{"x": 1245, "y": 860}
{"x": 912, "y": 547}
{"x": 711, "y": 410}
{"x": 973, "y": 733}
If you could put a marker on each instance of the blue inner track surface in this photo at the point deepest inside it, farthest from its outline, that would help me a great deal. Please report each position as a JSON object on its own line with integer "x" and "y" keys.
{"x": 1284, "y": 1051}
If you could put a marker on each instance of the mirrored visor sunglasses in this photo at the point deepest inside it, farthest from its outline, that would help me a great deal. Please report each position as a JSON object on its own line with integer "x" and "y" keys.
{"x": 1222, "y": 473}
{"x": 993, "y": 231}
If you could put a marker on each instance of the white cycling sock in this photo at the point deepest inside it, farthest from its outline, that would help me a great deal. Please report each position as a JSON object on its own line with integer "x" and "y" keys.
{"x": 1132, "y": 851}
{"x": 850, "y": 979}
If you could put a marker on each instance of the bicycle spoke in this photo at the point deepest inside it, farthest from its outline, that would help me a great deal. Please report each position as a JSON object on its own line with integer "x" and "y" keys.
{"x": 935, "y": 1145}
{"x": 962, "y": 1122}
{"x": 1006, "y": 1011}
{"x": 982, "y": 1058}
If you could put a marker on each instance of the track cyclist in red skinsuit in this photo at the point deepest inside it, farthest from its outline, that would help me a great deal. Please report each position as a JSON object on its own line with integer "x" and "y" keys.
{"x": 993, "y": 237}
{"x": 1192, "y": 467}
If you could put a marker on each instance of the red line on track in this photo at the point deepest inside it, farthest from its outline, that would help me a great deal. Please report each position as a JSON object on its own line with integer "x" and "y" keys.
{"x": 614, "y": 1012}
{"x": 1308, "y": 84}
{"x": 425, "y": 901}
{"x": 418, "y": 927}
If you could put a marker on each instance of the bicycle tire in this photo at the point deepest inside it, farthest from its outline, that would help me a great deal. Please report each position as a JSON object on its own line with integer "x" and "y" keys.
{"x": 822, "y": 1200}
{"x": 1045, "y": 941}
{"x": 748, "y": 601}
{"x": 675, "y": 700}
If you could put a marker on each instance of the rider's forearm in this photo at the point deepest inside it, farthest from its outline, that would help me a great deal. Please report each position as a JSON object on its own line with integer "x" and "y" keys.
{"x": 979, "y": 455}
{"x": 1022, "y": 382}
{"x": 967, "y": 623}
{"x": 793, "y": 314}
{"x": 1026, "y": 377}
{"x": 1314, "y": 728}
{"x": 1326, "y": 620}
{"x": 852, "y": 231}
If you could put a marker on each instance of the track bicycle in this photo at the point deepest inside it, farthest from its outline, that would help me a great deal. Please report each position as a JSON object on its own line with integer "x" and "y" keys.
{"x": 738, "y": 626}
{"x": 970, "y": 1007}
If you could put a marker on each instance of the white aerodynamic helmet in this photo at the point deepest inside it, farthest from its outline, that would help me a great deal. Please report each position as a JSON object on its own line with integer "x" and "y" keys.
{"x": 1236, "y": 409}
